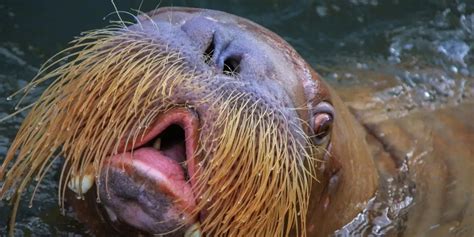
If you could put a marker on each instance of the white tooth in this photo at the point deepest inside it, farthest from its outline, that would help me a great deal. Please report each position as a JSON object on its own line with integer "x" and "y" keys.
{"x": 77, "y": 185}
{"x": 157, "y": 144}
{"x": 193, "y": 231}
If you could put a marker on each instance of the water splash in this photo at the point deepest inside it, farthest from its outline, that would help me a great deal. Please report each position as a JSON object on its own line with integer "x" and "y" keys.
{"x": 385, "y": 214}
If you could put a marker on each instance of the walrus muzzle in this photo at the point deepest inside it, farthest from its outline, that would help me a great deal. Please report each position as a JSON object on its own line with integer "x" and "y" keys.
{"x": 184, "y": 117}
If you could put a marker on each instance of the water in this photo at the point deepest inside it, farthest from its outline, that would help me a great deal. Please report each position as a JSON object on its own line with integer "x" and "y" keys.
{"x": 425, "y": 45}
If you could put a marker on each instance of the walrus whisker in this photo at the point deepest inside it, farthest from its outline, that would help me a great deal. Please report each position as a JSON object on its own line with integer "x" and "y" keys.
{"x": 18, "y": 111}
{"x": 131, "y": 15}
{"x": 118, "y": 13}
{"x": 46, "y": 66}
{"x": 40, "y": 177}
{"x": 244, "y": 126}
{"x": 141, "y": 14}
{"x": 140, "y": 6}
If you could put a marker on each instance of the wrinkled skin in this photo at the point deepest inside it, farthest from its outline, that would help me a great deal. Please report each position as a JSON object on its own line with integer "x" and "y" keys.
{"x": 434, "y": 138}
{"x": 278, "y": 75}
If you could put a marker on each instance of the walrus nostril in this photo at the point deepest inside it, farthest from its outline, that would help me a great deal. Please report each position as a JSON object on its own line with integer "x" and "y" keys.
{"x": 209, "y": 52}
{"x": 231, "y": 65}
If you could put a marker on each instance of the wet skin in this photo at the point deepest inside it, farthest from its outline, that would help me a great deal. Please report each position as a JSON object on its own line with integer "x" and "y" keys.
{"x": 275, "y": 73}
{"x": 433, "y": 139}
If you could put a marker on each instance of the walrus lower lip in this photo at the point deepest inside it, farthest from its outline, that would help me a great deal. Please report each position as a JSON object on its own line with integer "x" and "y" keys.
{"x": 159, "y": 170}
{"x": 144, "y": 172}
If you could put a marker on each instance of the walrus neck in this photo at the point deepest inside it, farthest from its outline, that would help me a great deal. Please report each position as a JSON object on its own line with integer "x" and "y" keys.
{"x": 347, "y": 177}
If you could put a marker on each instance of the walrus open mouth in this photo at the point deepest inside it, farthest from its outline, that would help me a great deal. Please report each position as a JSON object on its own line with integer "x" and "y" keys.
{"x": 150, "y": 185}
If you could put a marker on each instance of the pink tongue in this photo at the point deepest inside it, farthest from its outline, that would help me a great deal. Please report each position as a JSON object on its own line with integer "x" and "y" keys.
{"x": 162, "y": 170}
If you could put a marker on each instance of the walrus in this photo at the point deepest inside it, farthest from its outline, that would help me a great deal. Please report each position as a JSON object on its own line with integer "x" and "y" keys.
{"x": 195, "y": 122}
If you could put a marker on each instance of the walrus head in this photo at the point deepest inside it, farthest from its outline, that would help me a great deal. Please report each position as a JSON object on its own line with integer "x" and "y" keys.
{"x": 186, "y": 117}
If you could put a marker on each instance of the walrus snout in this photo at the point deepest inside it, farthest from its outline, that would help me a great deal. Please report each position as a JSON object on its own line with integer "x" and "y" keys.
{"x": 229, "y": 48}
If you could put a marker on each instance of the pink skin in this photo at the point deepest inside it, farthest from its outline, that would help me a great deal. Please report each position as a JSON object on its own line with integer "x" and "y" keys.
{"x": 147, "y": 186}
{"x": 165, "y": 172}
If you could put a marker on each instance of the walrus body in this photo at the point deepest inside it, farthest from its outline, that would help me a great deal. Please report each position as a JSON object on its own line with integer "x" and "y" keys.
{"x": 431, "y": 139}
{"x": 197, "y": 122}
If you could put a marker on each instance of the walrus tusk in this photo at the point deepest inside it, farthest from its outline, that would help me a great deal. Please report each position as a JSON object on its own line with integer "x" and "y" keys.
{"x": 81, "y": 184}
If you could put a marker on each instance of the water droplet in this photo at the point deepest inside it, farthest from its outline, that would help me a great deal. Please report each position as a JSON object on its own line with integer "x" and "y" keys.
{"x": 426, "y": 95}
{"x": 9, "y": 98}
{"x": 454, "y": 69}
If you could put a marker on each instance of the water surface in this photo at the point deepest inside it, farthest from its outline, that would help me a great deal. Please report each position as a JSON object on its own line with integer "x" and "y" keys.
{"x": 399, "y": 37}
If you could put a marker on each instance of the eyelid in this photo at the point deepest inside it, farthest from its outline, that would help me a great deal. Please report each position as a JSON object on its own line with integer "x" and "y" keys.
{"x": 322, "y": 109}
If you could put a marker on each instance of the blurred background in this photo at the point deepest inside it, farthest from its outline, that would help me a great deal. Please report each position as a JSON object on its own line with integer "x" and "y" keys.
{"x": 337, "y": 37}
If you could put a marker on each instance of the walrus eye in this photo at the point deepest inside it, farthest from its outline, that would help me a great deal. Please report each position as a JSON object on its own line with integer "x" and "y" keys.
{"x": 322, "y": 122}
